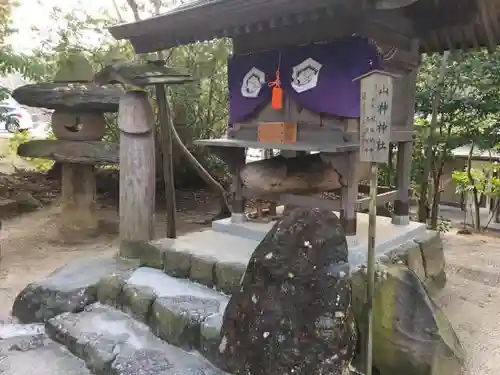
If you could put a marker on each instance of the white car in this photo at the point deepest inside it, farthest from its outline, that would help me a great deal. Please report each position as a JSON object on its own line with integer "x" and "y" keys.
{"x": 15, "y": 119}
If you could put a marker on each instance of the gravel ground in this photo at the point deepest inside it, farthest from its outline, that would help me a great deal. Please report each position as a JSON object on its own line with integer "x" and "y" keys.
{"x": 471, "y": 299}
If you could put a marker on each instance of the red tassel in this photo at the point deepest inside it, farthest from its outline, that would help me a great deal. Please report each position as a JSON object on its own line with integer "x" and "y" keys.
{"x": 277, "y": 98}
{"x": 277, "y": 93}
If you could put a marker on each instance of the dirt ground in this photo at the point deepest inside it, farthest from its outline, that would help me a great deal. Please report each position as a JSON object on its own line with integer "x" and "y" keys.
{"x": 471, "y": 299}
{"x": 30, "y": 249}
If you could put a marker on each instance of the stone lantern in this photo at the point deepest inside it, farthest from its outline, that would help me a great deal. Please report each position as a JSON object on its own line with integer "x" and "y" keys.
{"x": 78, "y": 124}
{"x": 137, "y": 147}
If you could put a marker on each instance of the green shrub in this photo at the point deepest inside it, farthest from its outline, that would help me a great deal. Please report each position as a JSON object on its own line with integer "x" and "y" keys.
{"x": 17, "y": 139}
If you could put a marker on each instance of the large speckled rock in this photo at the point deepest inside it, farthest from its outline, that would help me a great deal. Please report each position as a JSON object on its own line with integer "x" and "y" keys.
{"x": 293, "y": 312}
{"x": 69, "y": 288}
{"x": 412, "y": 336}
{"x": 112, "y": 343}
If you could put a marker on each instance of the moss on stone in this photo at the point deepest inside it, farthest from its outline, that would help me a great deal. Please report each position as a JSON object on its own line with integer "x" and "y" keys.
{"x": 177, "y": 263}
{"x": 228, "y": 276}
{"x": 137, "y": 300}
{"x": 411, "y": 334}
{"x": 203, "y": 270}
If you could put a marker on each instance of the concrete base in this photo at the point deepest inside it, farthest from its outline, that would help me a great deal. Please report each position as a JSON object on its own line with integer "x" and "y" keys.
{"x": 389, "y": 235}
{"x": 400, "y": 220}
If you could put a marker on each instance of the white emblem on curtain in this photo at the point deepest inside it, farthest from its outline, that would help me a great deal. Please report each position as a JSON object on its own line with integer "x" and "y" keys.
{"x": 252, "y": 83}
{"x": 305, "y": 75}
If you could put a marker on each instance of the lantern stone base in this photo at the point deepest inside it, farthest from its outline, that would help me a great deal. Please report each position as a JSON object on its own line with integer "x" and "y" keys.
{"x": 78, "y": 202}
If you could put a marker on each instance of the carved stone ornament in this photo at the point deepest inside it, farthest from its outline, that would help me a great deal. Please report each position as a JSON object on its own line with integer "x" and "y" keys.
{"x": 252, "y": 83}
{"x": 305, "y": 75}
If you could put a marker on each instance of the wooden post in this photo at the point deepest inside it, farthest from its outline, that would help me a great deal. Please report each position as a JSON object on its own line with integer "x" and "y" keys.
{"x": 375, "y": 136}
{"x": 168, "y": 167}
{"x": 349, "y": 195}
{"x": 403, "y": 179}
{"x": 137, "y": 168}
{"x": 238, "y": 214}
{"x": 370, "y": 277}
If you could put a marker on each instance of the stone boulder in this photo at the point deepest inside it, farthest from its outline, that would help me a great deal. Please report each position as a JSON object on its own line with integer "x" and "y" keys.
{"x": 68, "y": 289}
{"x": 293, "y": 312}
{"x": 412, "y": 336}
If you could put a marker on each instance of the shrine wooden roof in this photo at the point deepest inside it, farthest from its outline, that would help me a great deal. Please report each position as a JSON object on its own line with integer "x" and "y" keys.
{"x": 439, "y": 24}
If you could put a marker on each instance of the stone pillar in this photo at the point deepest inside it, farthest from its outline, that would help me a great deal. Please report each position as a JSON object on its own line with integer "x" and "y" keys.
{"x": 78, "y": 183}
{"x": 403, "y": 180}
{"x": 78, "y": 200}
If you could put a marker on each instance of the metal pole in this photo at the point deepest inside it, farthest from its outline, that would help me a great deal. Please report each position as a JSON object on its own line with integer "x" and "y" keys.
{"x": 370, "y": 277}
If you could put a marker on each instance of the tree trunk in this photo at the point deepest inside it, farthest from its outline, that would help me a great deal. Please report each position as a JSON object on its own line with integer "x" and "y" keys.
{"x": 475, "y": 197}
{"x": 423, "y": 204}
{"x": 225, "y": 211}
{"x": 436, "y": 196}
{"x": 435, "y": 202}
{"x": 209, "y": 180}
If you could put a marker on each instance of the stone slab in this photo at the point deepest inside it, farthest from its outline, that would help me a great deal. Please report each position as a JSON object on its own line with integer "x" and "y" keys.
{"x": 174, "y": 308}
{"x": 388, "y": 234}
{"x": 8, "y": 331}
{"x": 28, "y": 351}
{"x": 208, "y": 257}
{"x": 69, "y": 288}
{"x": 112, "y": 343}
{"x": 219, "y": 259}
{"x": 209, "y": 243}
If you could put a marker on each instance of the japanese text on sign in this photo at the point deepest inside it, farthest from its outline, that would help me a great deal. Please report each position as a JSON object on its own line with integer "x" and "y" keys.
{"x": 375, "y": 117}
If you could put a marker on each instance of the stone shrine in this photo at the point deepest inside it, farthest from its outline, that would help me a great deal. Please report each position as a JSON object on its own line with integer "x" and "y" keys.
{"x": 138, "y": 315}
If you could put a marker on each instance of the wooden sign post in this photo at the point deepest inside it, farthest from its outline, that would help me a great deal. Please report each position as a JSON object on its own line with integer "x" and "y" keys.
{"x": 375, "y": 136}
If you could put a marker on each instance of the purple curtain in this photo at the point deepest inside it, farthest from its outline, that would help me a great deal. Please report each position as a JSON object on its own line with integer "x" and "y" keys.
{"x": 335, "y": 92}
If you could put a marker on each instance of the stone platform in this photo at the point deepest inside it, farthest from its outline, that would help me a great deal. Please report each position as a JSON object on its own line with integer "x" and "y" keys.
{"x": 389, "y": 236}
{"x": 161, "y": 313}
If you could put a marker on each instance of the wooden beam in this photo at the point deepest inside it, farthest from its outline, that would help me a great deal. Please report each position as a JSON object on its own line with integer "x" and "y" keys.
{"x": 168, "y": 165}
{"x": 485, "y": 20}
{"x": 363, "y": 203}
{"x": 470, "y": 33}
{"x": 310, "y": 202}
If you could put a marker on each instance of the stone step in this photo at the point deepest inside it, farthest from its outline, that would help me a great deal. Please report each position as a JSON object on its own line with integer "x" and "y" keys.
{"x": 26, "y": 350}
{"x": 219, "y": 259}
{"x": 211, "y": 258}
{"x": 113, "y": 343}
{"x": 68, "y": 289}
{"x": 179, "y": 311}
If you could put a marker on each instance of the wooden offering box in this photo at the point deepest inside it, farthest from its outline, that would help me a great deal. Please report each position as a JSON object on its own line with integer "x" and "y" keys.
{"x": 277, "y": 132}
